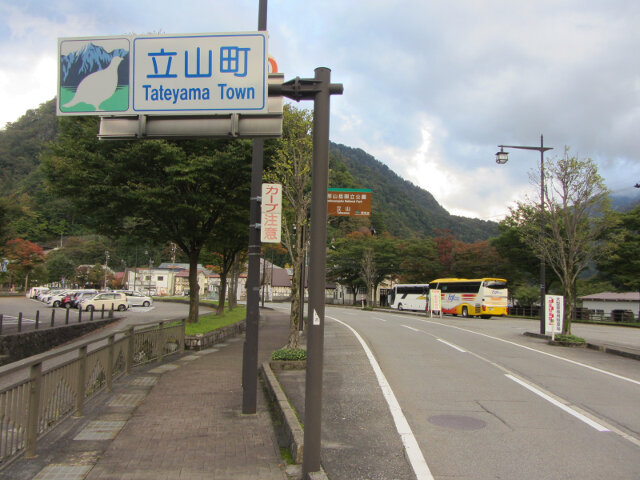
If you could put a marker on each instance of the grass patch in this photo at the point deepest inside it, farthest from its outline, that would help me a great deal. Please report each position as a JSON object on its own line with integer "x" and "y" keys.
{"x": 211, "y": 321}
{"x": 570, "y": 340}
{"x": 286, "y": 456}
{"x": 289, "y": 354}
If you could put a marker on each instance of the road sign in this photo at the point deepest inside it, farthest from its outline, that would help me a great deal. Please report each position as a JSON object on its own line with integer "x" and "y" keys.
{"x": 200, "y": 74}
{"x": 271, "y": 213}
{"x": 554, "y": 314}
{"x": 349, "y": 202}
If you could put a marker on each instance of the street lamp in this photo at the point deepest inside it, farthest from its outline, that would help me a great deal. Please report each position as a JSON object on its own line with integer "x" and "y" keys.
{"x": 501, "y": 158}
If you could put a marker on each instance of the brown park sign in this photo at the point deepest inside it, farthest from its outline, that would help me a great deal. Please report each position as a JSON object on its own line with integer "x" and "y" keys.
{"x": 349, "y": 202}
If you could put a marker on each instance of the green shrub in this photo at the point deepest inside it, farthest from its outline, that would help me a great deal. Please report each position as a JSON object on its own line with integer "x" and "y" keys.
{"x": 570, "y": 339}
{"x": 289, "y": 354}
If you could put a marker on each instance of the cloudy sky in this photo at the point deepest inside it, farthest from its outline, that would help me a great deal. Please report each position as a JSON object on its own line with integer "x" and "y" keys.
{"x": 430, "y": 87}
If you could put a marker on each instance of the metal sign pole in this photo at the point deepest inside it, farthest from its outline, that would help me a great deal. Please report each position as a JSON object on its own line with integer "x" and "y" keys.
{"x": 317, "y": 272}
{"x": 250, "y": 350}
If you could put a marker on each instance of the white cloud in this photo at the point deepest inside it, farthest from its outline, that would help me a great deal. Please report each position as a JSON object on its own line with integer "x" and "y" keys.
{"x": 430, "y": 88}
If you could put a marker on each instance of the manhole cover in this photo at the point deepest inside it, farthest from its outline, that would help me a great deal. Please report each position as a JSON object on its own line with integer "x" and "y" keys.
{"x": 457, "y": 422}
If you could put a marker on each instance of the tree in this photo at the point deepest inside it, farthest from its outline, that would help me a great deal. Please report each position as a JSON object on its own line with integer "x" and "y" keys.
{"x": 59, "y": 267}
{"x": 477, "y": 260}
{"x": 363, "y": 259}
{"x": 575, "y": 203}
{"x": 24, "y": 256}
{"x": 291, "y": 166}
{"x": 419, "y": 261}
{"x": 154, "y": 189}
{"x": 622, "y": 265}
{"x": 344, "y": 262}
{"x": 228, "y": 241}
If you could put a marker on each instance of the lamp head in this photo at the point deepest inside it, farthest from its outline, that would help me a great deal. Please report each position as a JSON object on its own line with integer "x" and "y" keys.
{"x": 502, "y": 157}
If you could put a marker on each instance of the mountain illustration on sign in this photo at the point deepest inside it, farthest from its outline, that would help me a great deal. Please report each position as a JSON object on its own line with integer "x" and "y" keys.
{"x": 91, "y": 76}
{"x": 98, "y": 86}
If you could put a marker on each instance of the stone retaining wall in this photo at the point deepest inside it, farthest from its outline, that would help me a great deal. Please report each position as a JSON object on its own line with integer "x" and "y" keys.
{"x": 207, "y": 340}
{"x": 22, "y": 345}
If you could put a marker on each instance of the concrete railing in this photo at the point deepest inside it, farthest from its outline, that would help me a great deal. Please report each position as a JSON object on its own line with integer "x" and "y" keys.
{"x": 38, "y": 392}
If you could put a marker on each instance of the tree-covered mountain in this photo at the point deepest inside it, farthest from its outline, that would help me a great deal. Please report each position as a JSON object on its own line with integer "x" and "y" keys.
{"x": 407, "y": 209}
{"x": 402, "y": 208}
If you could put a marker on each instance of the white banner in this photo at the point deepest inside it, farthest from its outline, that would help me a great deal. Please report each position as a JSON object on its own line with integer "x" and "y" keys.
{"x": 553, "y": 314}
{"x": 435, "y": 300}
{"x": 271, "y": 217}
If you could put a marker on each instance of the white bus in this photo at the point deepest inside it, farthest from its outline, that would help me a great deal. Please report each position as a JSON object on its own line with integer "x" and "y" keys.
{"x": 479, "y": 297}
{"x": 410, "y": 297}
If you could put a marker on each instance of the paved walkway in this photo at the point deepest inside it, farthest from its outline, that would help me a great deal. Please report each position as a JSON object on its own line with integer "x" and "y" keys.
{"x": 179, "y": 419}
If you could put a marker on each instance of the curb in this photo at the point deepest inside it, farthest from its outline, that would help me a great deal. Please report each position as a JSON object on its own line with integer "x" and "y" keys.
{"x": 610, "y": 349}
{"x": 292, "y": 433}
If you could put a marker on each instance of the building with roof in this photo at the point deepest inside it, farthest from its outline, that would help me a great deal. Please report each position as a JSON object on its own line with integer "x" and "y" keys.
{"x": 603, "y": 304}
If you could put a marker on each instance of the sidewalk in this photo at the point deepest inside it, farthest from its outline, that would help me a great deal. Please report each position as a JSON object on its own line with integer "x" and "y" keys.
{"x": 179, "y": 419}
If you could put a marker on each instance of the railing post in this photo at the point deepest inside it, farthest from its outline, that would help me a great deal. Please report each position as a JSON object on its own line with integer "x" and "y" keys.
{"x": 160, "y": 342}
{"x": 82, "y": 380}
{"x": 109, "y": 373}
{"x": 1, "y": 319}
{"x": 66, "y": 318}
{"x": 131, "y": 346}
{"x": 182, "y": 335}
{"x": 37, "y": 319}
{"x": 35, "y": 386}
{"x": 91, "y": 316}
{"x": 53, "y": 317}
{"x": 19, "y": 322}
{"x": 102, "y": 312}
{"x": 80, "y": 316}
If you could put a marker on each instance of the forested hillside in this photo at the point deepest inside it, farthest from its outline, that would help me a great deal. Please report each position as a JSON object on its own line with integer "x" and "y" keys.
{"x": 402, "y": 208}
{"x": 407, "y": 209}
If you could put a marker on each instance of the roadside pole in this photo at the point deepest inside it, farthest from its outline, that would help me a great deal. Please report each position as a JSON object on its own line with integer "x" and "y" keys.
{"x": 250, "y": 350}
{"x": 319, "y": 89}
{"x": 317, "y": 272}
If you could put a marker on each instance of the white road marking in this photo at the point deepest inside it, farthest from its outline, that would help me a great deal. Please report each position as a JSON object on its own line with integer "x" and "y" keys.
{"x": 560, "y": 405}
{"x": 558, "y": 401}
{"x": 451, "y": 345}
{"x": 411, "y": 328}
{"x": 414, "y": 454}
{"x": 584, "y": 365}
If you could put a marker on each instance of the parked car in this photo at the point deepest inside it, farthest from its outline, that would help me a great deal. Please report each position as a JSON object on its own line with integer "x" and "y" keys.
{"x": 35, "y": 291}
{"x": 55, "y": 300}
{"x": 45, "y": 296}
{"x": 66, "y": 300}
{"x": 108, "y": 300}
{"x": 75, "y": 300}
{"x": 137, "y": 299}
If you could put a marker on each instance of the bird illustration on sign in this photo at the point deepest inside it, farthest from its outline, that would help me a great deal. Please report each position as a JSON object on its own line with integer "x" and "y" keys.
{"x": 94, "y": 78}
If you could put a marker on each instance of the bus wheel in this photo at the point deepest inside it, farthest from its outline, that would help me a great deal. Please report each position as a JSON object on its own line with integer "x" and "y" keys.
{"x": 465, "y": 312}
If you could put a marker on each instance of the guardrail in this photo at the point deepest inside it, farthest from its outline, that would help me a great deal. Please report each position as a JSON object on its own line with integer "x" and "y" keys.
{"x": 34, "y": 404}
{"x": 22, "y": 323}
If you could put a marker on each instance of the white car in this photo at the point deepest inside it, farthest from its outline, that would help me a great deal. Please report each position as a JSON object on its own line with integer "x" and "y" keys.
{"x": 137, "y": 299}
{"x": 56, "y": 299}
{"x": 108, "y": 300}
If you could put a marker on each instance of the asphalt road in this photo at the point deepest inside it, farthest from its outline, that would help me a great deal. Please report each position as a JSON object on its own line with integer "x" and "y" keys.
{"x": 485, "y": 402}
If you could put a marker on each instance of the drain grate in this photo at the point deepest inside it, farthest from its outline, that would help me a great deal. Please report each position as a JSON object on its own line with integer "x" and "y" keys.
{"x": 145, "y": 381}
{"x": 127, "y": 400}
{"x": 100, "y": 430}
{"x": 207, "y": 351}
{"x": 189, "y": 358}
{"x": 164, "y": 368}
{"x": 63, "y": 472}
